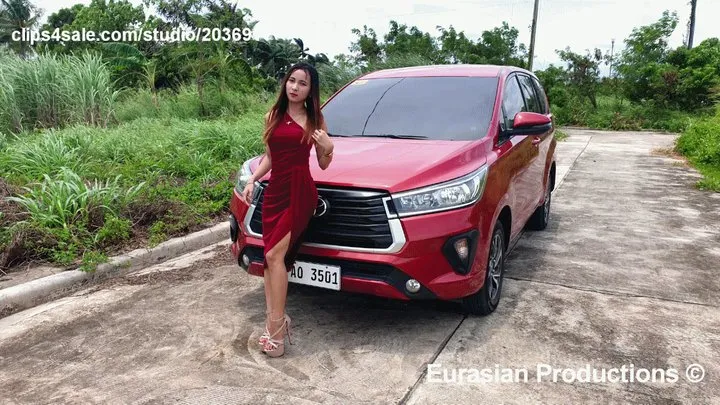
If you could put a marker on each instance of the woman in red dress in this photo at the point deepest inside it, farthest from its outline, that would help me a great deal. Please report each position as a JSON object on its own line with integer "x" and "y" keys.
{"x": 292, "y": 126}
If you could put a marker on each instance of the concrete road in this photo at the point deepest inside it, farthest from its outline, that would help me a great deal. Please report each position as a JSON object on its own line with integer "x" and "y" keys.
{"x": 623, "y": 285}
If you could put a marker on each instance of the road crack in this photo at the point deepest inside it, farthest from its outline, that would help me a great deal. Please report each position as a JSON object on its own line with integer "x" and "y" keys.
{"x": 613, "y": 293}
{"x": 439, "y": 350}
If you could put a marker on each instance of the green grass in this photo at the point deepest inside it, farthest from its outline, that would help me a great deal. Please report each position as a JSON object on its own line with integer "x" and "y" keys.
{"x": 185, "y": 103}
{"x": 701, "y": 145}
{"x": 621, "y": 115}
{"x": 87, "y": 190}
{"x": 560, "y": 135}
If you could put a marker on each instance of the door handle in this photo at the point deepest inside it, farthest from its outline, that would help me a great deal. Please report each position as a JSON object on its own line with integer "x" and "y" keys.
{"x": 536, "y": 141}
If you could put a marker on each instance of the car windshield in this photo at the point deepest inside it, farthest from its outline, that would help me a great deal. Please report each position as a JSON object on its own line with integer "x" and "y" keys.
{"x": 437, "y": 108}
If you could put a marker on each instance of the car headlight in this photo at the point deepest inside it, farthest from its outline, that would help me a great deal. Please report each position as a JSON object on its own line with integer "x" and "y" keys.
{"x": 453, "y": 194}
{"x": 243, "y": 176}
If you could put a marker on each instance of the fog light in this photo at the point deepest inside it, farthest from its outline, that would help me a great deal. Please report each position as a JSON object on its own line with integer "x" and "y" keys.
{"x": 412, "y": 285}
{"x": 246, "y": 260}
{"x": 461, "y": 248}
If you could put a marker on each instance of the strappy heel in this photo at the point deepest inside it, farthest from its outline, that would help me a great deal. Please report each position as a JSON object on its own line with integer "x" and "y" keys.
{"x": 276, "y": 348}
{"x": 266, "y": 335}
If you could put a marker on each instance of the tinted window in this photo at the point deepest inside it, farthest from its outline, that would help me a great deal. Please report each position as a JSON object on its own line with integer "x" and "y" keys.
{"x": 531, "y": 100}
{"x": 441, "y": 108}
{"x": 541, "y": 96}
{"x": 512, "y": 101}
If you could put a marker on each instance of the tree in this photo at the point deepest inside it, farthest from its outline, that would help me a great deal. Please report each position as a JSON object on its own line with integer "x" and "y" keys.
{"x": 273, "y": 56}
{"x": 311, "y": 59}
{"x": 645, "y": 51}
{"x": 583, "y": 72}
{"x": 61, "y": 19}
{"x": 690, "y": 75}
{"x": 366, "y": 49}
{"x": 554, "y": 80}
{"x": 15, "y": 15}
{"x": 454, "y": 47}
{"x": 499, "y": 47}
{"x": 399, "y": 42}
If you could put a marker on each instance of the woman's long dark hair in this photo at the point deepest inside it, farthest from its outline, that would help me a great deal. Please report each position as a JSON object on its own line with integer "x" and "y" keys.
{"x": 312, "y": 104}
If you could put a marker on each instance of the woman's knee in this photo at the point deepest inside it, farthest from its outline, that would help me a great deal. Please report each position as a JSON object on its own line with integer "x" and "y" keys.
{"x": 274, "y": 257}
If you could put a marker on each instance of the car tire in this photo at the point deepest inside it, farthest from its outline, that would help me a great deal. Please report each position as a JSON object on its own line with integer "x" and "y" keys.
{"x": 541, "y": 217}
{"x": 486, "y": 300}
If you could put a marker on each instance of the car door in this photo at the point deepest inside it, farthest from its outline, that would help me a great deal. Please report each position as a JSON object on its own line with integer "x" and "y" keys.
{"x": 541, "y": 143}
{"x": 519, "y": 158}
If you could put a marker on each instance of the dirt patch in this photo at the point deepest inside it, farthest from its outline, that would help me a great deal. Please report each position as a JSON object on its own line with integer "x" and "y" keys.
{"x": 671, "y": 153}
{"x": 12, "y": 212}
{"x": 11, "y": 249}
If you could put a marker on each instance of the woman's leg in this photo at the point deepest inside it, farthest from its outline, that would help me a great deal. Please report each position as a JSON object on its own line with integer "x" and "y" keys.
{"x": 268, "y": 298}
{"x": 278, "y": 284}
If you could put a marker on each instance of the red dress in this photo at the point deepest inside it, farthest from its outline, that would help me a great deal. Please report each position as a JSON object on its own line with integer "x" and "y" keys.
{"x": 290, "y": 198}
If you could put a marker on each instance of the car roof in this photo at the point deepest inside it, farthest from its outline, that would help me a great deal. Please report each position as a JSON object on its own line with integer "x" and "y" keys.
{"x": 464, "y": 70}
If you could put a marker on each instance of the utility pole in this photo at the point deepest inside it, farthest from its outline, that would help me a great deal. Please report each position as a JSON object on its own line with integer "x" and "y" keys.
{"x": 612, "y": 54}
{"x": 692, "y": 24}
{"x": 532, "y": 35}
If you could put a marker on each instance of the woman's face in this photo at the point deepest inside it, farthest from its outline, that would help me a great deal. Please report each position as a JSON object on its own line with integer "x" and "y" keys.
{"x": 298, "y": 86}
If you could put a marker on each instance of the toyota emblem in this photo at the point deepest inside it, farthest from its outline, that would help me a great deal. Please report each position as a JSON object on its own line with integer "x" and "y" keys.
{"x": 322, "y": 207}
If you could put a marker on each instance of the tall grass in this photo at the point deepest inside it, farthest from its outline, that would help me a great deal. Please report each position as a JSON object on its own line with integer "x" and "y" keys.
{"x": 54, "y": 91}
{"x": 186, "y": 104}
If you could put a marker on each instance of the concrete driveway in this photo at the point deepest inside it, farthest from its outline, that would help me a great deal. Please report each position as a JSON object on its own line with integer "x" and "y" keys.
{"x": 622, "y": 289}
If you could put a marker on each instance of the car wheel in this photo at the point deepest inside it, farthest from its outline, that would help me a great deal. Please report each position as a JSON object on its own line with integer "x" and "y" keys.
{"x": 541, "y": 217}
{"x": 485, "y": 301}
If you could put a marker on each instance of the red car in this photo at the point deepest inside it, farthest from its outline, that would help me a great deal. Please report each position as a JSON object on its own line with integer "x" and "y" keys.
{"x": 437, "y": 170}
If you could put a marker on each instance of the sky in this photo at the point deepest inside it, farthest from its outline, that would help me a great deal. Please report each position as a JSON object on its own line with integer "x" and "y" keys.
{"x": 326, "y": 26}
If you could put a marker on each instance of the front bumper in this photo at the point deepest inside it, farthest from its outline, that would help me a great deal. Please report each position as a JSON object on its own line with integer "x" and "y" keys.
{"x": 423, "y": 257}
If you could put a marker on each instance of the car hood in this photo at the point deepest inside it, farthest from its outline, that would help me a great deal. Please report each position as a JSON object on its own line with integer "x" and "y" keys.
{"x": 395, "y": 164}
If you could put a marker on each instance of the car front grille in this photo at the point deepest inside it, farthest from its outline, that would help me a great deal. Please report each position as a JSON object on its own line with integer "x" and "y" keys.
{"x": 355, "y": 219}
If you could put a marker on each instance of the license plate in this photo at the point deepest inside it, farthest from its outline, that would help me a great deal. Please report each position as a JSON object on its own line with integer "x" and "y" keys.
{"x": 316, "y": 275}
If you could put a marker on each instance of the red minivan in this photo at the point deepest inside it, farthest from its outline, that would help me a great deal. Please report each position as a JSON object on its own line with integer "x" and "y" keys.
{"x": 436, "y": 171}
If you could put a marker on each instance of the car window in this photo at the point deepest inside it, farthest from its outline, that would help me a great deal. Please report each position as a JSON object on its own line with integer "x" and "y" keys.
{"x": 541, "y": 96}
{"x": 439, "y": 108}
{"x": 531, "y": 99}
{"x": 513, "y": 101}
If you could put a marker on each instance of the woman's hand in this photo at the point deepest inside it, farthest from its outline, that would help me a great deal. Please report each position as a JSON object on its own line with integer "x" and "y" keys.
{"x": 247, "y": 193}
{"x": 323, "y": 141}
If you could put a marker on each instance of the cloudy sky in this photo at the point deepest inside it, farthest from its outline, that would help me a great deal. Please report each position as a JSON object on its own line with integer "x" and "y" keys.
{"x": 325, "y": 26}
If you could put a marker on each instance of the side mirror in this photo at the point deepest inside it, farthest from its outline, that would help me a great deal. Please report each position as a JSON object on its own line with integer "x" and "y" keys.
{"x": 530, "y": 123}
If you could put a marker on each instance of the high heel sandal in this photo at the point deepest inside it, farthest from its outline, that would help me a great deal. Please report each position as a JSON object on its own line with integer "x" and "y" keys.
{"x": 266, "y": 335}
{"x": 276, "y": 348}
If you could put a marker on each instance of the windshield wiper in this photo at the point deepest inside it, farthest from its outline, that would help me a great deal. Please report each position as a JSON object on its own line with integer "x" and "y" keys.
{"x": 394, "y": 136}
{"x": 339, "y": 135}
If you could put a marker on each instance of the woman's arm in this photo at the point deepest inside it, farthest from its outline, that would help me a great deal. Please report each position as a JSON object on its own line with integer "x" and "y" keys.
{"x": 264, "y": 167}
{"x": 324, "y": 153}
{"x": 266, "y": 163}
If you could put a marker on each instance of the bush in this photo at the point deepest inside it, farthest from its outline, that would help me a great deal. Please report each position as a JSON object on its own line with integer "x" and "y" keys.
{"x": 701, "y": 142}
{"x": 621, "y": 115}
{"x": 701, "y": 145}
